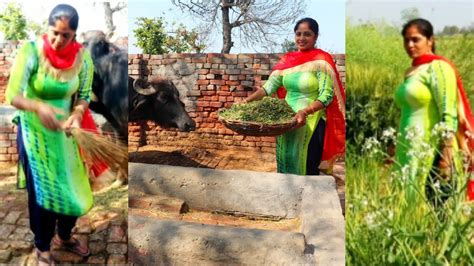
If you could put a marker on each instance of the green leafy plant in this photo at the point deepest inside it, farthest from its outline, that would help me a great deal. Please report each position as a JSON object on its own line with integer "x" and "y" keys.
{"x": 266, "y": 111}
{"x": 13, "y": 23}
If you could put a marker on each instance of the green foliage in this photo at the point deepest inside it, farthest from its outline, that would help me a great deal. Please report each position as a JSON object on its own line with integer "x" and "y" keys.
{"x": 267, "y": 111}
{"x": 383, "y": 229}
{"x": 151, "y": 35}
{"x": 288, "y": 46}
{"x": 38, "y": 28}
{"x": 13, "y": 23}
{"x": 184, "y": 40}
{"x": 153, "y": 38}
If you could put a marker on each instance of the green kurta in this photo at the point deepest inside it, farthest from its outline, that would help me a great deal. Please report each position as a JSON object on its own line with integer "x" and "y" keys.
{"x": 427, "y": 97}
{"x": 304, "y": 84}
{"x": 60, "y": 178}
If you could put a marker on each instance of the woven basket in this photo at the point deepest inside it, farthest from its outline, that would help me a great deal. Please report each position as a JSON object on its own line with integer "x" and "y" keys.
{"x": 257, "y": 129}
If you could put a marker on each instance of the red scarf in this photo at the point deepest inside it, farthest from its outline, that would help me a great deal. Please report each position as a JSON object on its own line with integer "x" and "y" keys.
{"x": 466, "y": 120}
{"x": 64, "y": 58}
{"x": 335, "y": 133}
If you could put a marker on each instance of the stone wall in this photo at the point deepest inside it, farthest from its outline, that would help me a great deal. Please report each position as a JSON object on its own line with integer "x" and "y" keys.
{"x": 207, "y": 82}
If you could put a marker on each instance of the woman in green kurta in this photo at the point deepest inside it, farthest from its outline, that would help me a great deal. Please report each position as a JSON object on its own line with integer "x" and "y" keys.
{"x": 315, "y": 93}
{"x": 45, "y": 75}
{"x": 429, "y": 100}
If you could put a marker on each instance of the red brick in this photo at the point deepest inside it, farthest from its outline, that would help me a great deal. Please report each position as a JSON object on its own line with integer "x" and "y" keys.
{"x": 203, "y": 71}
{"x": 5, "y": 158}
{"x": 3, "y": 150}
{"x": 12, "y": 150}
{"x": 3, "y": 136}
{"x": 202, "y": 82}
{"x": 216, "y": 104}
{"x": 202, "y": 104}
{"x": 217, "y": 82}
{"x": 6, "y": 129}
{"x": 223, "y": 99}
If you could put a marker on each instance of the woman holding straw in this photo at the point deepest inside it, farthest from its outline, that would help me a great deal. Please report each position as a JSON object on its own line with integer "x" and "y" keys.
{"x": 309, "y": 82}
{"x": 436, "y": 120}
{"x": 45, "y": 75}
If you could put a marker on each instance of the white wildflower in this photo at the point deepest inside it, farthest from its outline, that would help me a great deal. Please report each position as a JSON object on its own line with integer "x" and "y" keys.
{"x": 364, "y": 203}
{"x": 389, "y": 134}
{"x": 405, "y": 173}
{"x": 388, "y": 232}
{"x": 371, "y": 145}
{"x": 467, "y": 210}
{"x": 390, "y": 215}
{"x": 370, "y": 219}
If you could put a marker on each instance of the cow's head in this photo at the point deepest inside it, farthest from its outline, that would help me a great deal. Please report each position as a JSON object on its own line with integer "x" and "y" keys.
{"x": 159, "y": 101}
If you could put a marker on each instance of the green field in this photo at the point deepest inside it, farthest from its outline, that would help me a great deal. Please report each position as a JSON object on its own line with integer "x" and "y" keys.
{"x": 381, "y": 228}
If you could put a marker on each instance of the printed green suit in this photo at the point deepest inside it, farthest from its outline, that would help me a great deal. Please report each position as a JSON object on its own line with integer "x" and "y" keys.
{"x": 59, "y": 175}
{"x": 427, "y": 97}
{"x": 304, "y": 83}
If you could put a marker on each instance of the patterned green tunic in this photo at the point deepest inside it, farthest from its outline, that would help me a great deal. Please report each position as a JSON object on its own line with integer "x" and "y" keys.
{"x": 427, "y": 97}
{"x": 304, "y": 84}
{"x": 60, "y": 178}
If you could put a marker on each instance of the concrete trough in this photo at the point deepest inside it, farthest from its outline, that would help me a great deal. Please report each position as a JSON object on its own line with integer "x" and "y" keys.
{"x": 312, "y": 199}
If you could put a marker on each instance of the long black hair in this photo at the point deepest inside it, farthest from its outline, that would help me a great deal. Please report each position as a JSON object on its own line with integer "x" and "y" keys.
{"x": 423, "y": 26}
{"x": 62, "y": 11}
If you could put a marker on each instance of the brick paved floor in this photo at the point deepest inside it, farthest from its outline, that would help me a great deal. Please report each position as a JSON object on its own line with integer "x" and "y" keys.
{"x": 104, "y": 227}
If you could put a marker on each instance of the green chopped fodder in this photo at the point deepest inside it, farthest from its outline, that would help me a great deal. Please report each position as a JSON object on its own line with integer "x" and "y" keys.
{"x": 267, "y": 111}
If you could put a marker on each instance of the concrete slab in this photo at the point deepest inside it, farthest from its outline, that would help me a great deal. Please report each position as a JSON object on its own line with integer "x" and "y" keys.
{"x": 312, "y": 199}
{"x": 155, "y": 242}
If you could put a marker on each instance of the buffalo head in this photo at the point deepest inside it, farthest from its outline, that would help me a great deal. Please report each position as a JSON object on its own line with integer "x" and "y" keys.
{"x": 158, "y": 100}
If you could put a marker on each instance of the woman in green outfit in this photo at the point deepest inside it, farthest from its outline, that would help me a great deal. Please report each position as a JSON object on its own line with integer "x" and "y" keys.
{"x": 45, "y": 75}
{"x": 435, "y": 117}
{"x": 309, "y": 82}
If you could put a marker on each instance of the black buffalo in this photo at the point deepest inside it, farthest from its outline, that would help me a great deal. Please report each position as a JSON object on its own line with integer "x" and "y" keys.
{"x": 158, "y": 100}
{"x": 110, "y": 81}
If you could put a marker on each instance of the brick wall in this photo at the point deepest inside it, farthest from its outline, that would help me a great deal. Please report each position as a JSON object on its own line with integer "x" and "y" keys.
{"x": 7, "y": 53}
{"x": 206, "y": 83}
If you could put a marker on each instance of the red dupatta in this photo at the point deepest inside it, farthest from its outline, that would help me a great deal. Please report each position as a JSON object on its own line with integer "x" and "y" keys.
{"x": 335, "y": 133}
{"x": 465, "y": 132}
{"x": 64, "y": 59}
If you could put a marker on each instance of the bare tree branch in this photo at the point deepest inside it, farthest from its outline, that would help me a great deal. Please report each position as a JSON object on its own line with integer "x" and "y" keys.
{"x": 256, "y": 20}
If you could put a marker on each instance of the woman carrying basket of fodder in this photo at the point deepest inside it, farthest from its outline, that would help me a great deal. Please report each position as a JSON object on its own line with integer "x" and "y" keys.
{"x": 45, "y": 75}
{"x": 309, "y": 82}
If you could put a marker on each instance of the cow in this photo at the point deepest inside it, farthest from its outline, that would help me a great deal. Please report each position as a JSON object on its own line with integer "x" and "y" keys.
{"x": 157, "y": 100}
{"x": 110, "y": 81}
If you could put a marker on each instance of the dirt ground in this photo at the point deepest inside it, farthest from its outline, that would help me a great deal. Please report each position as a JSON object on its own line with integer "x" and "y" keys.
{"x": 227, "y": 159}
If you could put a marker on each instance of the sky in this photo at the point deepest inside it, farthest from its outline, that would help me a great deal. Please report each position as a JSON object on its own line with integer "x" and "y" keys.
{"x": 439, "y": 13}
{"x": 329, "y": 14}
{"x": 91, "y": 16}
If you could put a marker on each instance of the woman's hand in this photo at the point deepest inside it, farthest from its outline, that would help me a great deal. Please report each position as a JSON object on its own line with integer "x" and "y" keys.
{"x": 445, "y": 164}
{"x": 73, "y": 121}
{"x": 47, "y": 115}
{"x": 300, "y": 118}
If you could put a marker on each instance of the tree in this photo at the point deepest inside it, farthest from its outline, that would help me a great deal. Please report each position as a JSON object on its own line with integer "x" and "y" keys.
{"x": 151, "y": 35}
{"x": 109, "y": 16}
{"x": 153, "y": 38}
{"x": 184, "y": 40}
{"x": 288, "y": 46}
{"x": 257, "y": 21}
{"x": 13, "y": 23}
{"x": 410, "y": 13}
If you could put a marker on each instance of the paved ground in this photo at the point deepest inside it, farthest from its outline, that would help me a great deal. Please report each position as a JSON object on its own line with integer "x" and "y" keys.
{"x": 104, "y": 227}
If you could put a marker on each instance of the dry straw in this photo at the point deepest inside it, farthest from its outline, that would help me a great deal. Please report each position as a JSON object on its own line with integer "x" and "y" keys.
{"x": 97, "y": 147}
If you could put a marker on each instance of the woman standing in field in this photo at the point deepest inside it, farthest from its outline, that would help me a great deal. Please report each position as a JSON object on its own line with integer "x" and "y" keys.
{"x": 45, "y": 75}
{"x": 309, "y": 82}
{"x": 436, "y": 120}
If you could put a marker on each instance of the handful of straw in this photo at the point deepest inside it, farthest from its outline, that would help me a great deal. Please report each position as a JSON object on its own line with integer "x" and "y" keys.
{"x": 99, "y": 147}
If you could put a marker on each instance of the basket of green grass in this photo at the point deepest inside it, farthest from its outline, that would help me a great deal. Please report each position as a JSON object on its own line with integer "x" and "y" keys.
{"x": 267, "y": 117}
